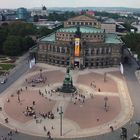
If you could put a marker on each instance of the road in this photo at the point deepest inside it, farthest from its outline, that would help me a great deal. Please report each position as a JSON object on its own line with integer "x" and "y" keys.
{"x": 21, "y": 68}
{"x": 134, "y": 90}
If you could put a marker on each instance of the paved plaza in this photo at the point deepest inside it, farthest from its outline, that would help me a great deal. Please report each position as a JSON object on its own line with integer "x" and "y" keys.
{"x": 32, "y": 104}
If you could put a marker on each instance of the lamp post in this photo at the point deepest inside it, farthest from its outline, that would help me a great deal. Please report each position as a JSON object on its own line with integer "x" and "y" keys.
{"x": 105, "y": 77}
{"x": 18, "y": 92}
{"x": 40, "y": 73}
{"x": 105, "y": 105}
{"x": 61, "y": 115}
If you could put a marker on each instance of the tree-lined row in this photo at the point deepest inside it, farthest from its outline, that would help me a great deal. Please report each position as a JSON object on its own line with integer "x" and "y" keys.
{"x": 16, "y": 38}
{"x": 132, "y": 41}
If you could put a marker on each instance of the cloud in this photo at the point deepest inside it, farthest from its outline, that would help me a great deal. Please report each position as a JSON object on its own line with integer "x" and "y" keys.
{"x": 69, "y": 3}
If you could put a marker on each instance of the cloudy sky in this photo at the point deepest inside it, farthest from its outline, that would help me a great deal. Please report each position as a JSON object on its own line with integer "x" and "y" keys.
{"x": 69, "y": 3}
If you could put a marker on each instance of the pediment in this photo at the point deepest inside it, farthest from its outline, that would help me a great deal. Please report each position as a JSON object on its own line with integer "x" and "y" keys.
{"x": 82, "y": 18}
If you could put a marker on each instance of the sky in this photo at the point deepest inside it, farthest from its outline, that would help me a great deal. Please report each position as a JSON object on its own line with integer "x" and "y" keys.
{"x": 69, "y": 3}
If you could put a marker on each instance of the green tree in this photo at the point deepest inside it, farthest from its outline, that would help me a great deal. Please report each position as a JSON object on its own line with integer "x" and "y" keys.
{"x": 20, "y": 28}
{"x": 27, "y": 43}
{"x": 132, "y": 41}
{"x": 3, "y": 36}
{"x": 43, "y": 31}
{"x": 13, "y": 46}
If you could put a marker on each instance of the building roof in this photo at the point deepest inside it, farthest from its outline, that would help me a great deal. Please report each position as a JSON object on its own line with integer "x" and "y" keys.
{"x": 83, "y": 29}
{"x": 49, "y": 38}
{"x": 109, "y": 38}
{"x": 82, "y": 18}
{"x": 112, "y": 39}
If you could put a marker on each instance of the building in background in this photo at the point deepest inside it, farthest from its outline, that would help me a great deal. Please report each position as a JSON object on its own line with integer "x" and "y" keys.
{"x": 22, "y": 13}
{"x": 82, "y": 44}
{"x": 40, "y": 12}
{"x": 47, "y": 24}
{"x": 82, "y": 20}
{"x": 1, "y": 17}
{"x": 109, "y": 25}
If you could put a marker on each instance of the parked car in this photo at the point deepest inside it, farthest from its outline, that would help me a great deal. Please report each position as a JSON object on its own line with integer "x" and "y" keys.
{"x": 3, "y": 80}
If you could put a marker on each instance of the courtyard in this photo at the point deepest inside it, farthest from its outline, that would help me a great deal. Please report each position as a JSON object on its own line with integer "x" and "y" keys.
{"x": 32, "y": 104}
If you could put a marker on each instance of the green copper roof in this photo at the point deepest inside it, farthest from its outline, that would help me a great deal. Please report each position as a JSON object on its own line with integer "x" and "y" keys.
{"x": 83, "y": 29}
{"x": 112, "y": 39}
{"x": 109, "y": 38}
{"x": 50, "y": 38}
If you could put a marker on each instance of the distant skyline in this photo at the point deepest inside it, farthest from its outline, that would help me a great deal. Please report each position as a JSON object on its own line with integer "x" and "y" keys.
{"x": 69, "y": 3}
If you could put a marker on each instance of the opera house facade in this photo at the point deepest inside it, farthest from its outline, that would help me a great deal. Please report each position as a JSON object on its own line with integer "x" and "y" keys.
{"x": 81, "y": 44}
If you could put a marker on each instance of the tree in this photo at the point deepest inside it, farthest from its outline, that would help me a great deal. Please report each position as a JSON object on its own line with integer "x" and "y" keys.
{"x": 20, "y": 28}
{"x": 43, "y": 31}
{"x": 3, "y": 36}
{"x": 12, "y": 46}
{"x": 27, "y": 43}
{"x": 132, "y": 41}
{"x": 14, "y": 38}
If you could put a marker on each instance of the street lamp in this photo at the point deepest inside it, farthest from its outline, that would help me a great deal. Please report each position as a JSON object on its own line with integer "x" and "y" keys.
{"x": 18, "y": 92}
{"x": 105, "y": 105}
{"x": 105, "y": 76}
{"x": 61, "y": 115}
{"x": 40, "y": 73}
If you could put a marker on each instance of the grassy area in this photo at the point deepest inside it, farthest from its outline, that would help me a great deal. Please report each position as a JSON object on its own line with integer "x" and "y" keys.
{"x": 6, "y": 66}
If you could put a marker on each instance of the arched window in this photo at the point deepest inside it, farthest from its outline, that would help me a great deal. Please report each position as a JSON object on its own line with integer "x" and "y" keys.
{"x": 58, "y": 49}
{"x": 50, "y": 48}
{"x": 92, "y": 51}
{"x": 97, "y": 51}
{"x": 63, "y": 50}
{"x": 53, "y": 48}
{"x": 103, "y": 51}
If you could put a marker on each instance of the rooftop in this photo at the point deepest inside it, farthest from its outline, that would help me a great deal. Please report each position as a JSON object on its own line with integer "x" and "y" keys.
{"x": 112, "y": 39}
{"x": 109, "y": 38}
{"x": 83, "y": 29}
{"x": 49, "y": 38}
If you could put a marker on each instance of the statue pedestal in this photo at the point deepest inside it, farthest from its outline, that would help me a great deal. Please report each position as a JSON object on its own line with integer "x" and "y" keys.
{"x": 67, "y": 86}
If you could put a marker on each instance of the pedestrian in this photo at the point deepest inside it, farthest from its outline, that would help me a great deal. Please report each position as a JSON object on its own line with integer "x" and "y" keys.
{"x": 57, "y": 109}
{"x": 44, "y": 128}
{"x": 11, "y": 133}
{"x": 52, "y": 127}
{"x": 18, "y": 98}
{"x": 16, "y": 131}
{"x": 111, "y": 128}
{"x": 97, "y": 119}
{"x": 49, "y": 134}
{"x": 6, "y": 120}
{"x": 91, "y": 84}
{"x": 8, "y": 100}
{"x": 26, "y": 88}
{"x": 26, "y": 80}
{"x": 1, "y": 138}
{"x": 33, "y": 102}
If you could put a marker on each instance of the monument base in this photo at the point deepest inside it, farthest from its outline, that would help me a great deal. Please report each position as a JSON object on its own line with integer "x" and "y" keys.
{"x": 67, "y": 89}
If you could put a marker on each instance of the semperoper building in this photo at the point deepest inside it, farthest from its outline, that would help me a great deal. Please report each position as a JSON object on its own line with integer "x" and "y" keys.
{"x": 82, "y": 44}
